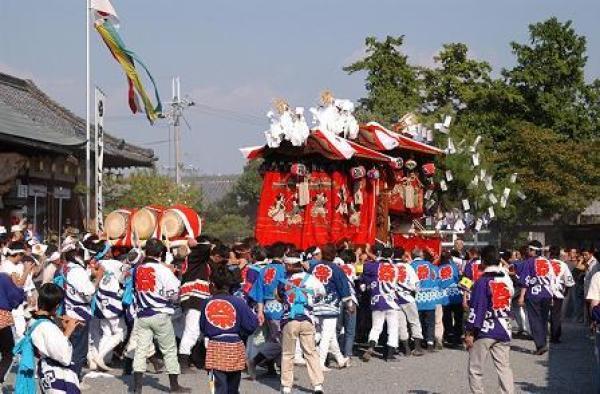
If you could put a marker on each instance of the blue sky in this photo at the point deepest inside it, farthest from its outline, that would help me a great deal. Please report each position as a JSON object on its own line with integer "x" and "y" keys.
{"x": 234, "y": 57}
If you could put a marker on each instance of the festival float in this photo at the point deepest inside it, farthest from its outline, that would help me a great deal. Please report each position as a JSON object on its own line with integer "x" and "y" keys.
{"x": 342, "y": 180}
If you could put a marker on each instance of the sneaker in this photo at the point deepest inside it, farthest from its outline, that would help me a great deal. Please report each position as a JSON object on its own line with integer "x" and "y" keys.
{"x": 343, "y": 363}
{"x": 318, "y": 390}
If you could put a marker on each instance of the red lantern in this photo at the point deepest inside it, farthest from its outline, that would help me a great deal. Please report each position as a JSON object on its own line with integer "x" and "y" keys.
{"x": 428, "y": 169}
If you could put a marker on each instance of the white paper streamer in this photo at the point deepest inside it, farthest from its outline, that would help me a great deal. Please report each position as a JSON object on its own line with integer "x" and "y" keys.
{"x": 478, "y": 225}
{"x": 492, "y": 198}
{"x": 503, "y": 201}
{"x": 449, "y": 176}
{"x": 451, "y": 149}
{"x": 475, "y": 159}
{"x": 491, "y": 212}
{"x": 447, "y": 121}
{"x": 459, "y": 226}
{"x": 506, "y": 192}
{"x": 482, "y": 173}
{"x": 521, "y": 195}
{"x": 443, "y": 185}
{"x": 488, "y": 183}
{"x": 429, "y": 204}
{"x": 465, "y": 204}
{"x": 513, "y": 178}
{"x": 428, "y": 194}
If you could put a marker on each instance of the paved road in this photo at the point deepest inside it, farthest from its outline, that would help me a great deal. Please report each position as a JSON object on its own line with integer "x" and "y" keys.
{"x": 567, "y": 368}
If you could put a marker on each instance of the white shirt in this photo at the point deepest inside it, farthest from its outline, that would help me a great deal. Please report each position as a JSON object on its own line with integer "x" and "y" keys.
{"x": 11, "y": 268}
{"x": 156, "y": 288}
{"x": 79, "y": 290}
{"x": 56, "y": 354}
{"x": 593, "y": 293}
{"x": 563, "y": 278}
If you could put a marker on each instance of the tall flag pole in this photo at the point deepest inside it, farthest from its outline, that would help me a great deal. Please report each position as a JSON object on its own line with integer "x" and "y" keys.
{"x": 87, "y": 114}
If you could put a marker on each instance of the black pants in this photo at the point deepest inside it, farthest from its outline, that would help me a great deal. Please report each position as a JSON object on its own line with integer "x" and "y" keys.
{"x": 80, "y": 341}
{"x": 539, "y": 314}
{"x": 556, "y": 319}
{"x": 227, "y": 382}
{"x": 427, "y": 319}
{"x": 7, "y": 343}
{"x": 453, "y": 322}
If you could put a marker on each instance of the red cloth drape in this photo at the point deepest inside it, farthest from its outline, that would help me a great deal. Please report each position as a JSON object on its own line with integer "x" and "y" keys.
{"x": 434, "y": 245}
{"x": 330, "y": 216}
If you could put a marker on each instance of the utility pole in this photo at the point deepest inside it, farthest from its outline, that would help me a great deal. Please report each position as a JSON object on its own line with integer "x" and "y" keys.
{"x": 175, "y": 115}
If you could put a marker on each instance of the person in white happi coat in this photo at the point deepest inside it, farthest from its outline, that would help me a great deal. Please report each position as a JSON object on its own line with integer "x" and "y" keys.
{"x": 79, "y": 292}
{"x": 109, "y": 308}
{"x": 55, "y": 368}
{"x": 21, "y": 274}
{"x": 563, "y": 282}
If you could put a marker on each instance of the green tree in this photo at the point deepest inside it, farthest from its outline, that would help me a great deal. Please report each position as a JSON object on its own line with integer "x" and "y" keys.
{"x": 147, "y": 187}
{"x": 392, "y": 84}
{"x": 559, "y": 176}
{"x": 233, "y": 217}
{"x": 457, "y": 81}
{"x": 228, "y": 227}
{"x": 549, "y": 74}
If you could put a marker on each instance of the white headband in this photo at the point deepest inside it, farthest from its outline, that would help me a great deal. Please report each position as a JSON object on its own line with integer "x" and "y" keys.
{"x": 14, "y": 252}
{"x": 292, "y": 260}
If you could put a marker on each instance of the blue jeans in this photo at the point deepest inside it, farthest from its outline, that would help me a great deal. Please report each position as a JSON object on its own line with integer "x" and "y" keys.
{"x": 80, "y": 341}
{"x": 428, "y": 325}
{"x": 347, "y": 321}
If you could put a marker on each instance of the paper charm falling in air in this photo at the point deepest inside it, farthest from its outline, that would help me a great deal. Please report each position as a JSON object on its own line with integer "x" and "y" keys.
{"x": 444, "y": 127}
{"x": 478, "y": 225}
{"x": 473, "y": 148}
{"x": 459, "y": 226}
{"x": 449, "y": 176}
{"x": 128, "y": 59}
{"x": 488, "y": 183}
{"x": 482, "y": 173}
{"x": 450, "y": 149}
{"x": 429, "y": 135}
{"x": 475, "y": 158}
{"x": 465, "y": 204}
{"x": 429, "y": 204}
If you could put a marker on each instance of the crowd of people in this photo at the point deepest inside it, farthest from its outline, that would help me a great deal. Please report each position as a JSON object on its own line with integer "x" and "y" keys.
{"x": 228, "y": 309}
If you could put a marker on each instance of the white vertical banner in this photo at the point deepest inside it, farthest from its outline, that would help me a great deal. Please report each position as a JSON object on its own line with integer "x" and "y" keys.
{"x": 99, "y": 100}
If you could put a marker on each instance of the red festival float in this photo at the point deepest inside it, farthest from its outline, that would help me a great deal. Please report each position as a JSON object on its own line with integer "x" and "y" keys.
{"x": 341, "y": 180}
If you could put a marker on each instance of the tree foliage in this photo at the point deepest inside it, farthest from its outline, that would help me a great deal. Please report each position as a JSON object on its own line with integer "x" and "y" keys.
{"x": 392, "y": 84}
{"x": 538, "y": 119}
{"x": 147, "y": 187}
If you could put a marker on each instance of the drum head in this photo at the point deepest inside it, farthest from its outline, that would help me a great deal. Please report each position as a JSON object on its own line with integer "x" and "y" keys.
{"x": 144, "y": 223}
{"x": 115, "y": 224}
{"x": 172, "y": 224}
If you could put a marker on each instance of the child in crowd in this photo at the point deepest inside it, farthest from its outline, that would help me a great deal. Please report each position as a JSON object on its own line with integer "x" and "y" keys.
{"x": 226, "y": 320}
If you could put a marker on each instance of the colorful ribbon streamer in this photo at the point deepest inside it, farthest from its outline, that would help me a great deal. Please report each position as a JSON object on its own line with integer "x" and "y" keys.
{"x": 126, "y": 58}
